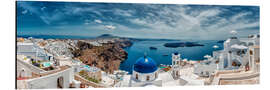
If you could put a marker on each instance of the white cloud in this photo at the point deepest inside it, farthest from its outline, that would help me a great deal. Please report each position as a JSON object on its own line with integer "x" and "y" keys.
{"x": 98, "y": 21}
{"x": 240, "y": 15}
{"x": 138, "y": 21}
{"x": 110, "y": 27}
{"x": 24, "y": 12}
{"x": 190, "y": 25}
{"x": 121, "y": 12}
{"x": 49, "y": 18}
{"x": 208, "y": 13}
{"x": 86, "y": 23}
{"x": 45, "y": 19}
{"x": 43, "y": 8}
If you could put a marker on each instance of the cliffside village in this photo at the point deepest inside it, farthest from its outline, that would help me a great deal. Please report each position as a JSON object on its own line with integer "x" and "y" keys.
{"x": 49, "y": 64}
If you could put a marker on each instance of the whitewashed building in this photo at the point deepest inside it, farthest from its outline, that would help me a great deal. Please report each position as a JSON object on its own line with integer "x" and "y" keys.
{"x": 30, "y": 49}
{"x": 237, "y": 53}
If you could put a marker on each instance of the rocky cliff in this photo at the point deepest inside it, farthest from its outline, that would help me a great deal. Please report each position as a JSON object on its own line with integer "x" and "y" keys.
{"x": 106, "y": 57}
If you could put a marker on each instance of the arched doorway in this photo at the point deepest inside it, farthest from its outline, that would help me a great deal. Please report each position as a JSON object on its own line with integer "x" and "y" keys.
{"x": 60, "y": 82}
{"x": 22, "y": 73}
{"x": 137, "y": 77}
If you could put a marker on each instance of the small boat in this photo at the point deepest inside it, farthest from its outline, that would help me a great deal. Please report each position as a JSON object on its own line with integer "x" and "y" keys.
{"x": 215, "y": 46}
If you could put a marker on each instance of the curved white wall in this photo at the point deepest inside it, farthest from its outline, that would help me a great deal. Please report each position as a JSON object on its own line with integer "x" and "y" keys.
{"x": 143, "y": 76}
{"x": 50, "y": 81}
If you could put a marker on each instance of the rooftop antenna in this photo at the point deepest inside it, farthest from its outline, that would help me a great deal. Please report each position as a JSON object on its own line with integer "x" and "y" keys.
{"x": 145, "y": 55}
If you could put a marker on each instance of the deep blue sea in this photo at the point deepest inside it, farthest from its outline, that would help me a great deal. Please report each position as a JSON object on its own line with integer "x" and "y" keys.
{"x": 139, "y": 48}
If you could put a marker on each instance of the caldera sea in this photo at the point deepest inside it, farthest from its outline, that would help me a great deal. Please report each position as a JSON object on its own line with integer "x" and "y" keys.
{"x": 162, "y": 55}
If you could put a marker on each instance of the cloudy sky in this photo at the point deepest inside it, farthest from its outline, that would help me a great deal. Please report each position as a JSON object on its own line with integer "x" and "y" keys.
{"x": 167, "y": 21}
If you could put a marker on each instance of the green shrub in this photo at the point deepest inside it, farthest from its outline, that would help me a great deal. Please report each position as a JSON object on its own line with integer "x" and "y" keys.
{"x": 85, "y": 75}
{"x": 34, "y": 62}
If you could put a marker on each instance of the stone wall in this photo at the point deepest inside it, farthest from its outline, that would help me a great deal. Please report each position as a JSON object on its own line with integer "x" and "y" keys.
{"x": 89, "y": 83}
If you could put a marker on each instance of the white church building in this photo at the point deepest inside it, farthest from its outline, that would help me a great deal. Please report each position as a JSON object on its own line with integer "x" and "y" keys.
{"x": 145, "y": 72}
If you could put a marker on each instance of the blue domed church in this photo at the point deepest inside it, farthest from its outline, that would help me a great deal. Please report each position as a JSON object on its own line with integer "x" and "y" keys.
{"x": 145, "y": 69}
{"x": 146, "y": 73}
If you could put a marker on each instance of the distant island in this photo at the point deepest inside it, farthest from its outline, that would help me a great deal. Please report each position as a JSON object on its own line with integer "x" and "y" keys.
{"x": 220, "y": 41}
{"x": 102, "y": 36}
{"x": 182, "y": 44}
{"x": 152, "y": 48}
{"x": 107, "y": 36}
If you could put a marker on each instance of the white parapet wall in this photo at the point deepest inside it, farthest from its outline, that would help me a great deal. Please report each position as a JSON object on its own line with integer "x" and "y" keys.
{"x": 29, "y": 67}
{"x": 51, "y": 81}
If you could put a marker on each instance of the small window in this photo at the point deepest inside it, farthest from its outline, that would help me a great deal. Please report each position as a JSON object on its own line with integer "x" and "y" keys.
{"x": 147, "y": 78}
{"x": 137, "y": 76}
{"x": 251, "y": 52}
